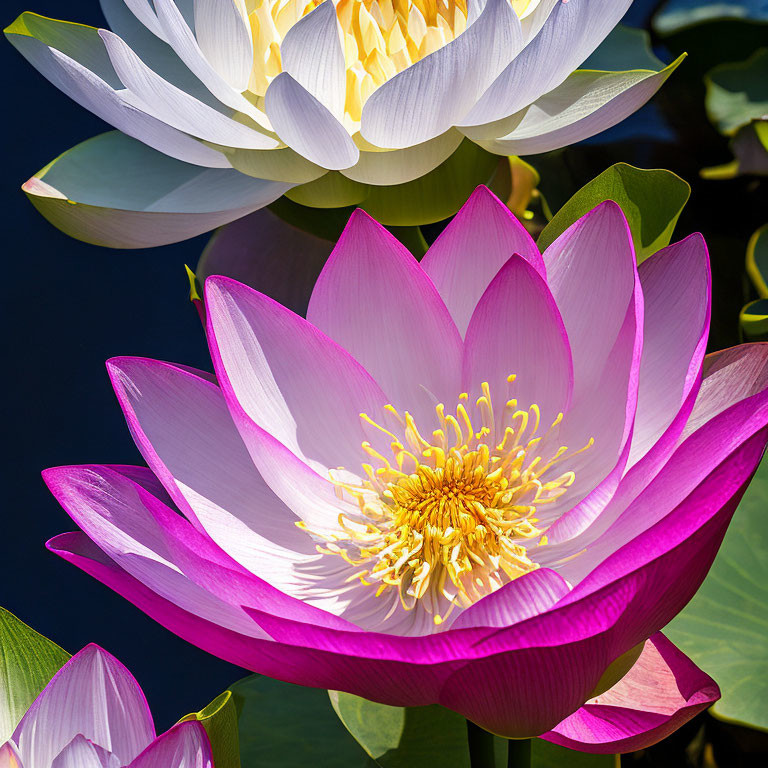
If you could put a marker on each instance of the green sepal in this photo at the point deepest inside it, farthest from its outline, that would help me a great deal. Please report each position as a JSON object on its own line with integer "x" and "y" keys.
{"x": 219, "y": 719}
{"x": 27, "y": 663}
{"x": 435, "y": 196}
{"x": 652, "y": 201}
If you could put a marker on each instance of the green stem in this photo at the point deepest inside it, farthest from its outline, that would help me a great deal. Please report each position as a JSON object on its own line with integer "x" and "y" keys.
{"x": 519, "y": 755}
{"x": 480, "y": 744}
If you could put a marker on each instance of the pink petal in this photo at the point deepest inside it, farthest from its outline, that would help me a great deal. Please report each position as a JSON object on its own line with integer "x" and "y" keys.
{"x": 531, "y": 594}
{"x": 374, "y": 299}
{"x": 183, "y": 429}
{"x": 186, "y": 745}
{"x": 93, "y": 694}
{"x": 289, "y": 378}
{"x": 605, "y": 395}
{"x": 470, "y": 251}
{"x": 690, "y": 466}
{"x": 161, "y": 549}
{"x": 591, "y": 273}
{"x": 517, "y": 329}
{"x": 662, "y": 691}
{"x": 676, "y": 286}
{"x": 730, "y": 376}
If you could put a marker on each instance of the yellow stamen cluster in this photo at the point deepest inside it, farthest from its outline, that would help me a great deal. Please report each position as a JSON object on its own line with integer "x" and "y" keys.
{"x": 380, "y": 38}
{"x": 449, "y": 517}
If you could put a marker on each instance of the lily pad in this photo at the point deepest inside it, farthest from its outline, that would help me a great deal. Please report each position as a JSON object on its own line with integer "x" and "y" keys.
{"x": 287, "y": 726}
{"x": 724, "y": 628}
{"x": 652, "y": 201}
{"x": 27, "y": 663}
{"x": 737, "y": 93}
{"x": 624, "y": 48}
{"x": 402, "y": 737}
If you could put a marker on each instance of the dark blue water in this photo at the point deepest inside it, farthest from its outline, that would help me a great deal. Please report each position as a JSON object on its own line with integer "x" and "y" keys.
{"x": 67, "y": 307}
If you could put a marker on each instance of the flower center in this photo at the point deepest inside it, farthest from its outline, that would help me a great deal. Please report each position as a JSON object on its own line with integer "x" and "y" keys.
{"x": 450, "y": 518}
{"x": 380, "y": 38}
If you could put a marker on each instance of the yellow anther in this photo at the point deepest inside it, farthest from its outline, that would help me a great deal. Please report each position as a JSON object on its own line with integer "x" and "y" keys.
{"x": 450, "y": 523}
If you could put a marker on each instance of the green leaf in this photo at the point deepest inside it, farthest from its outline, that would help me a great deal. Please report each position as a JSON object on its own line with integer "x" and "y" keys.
{"x": 406, "y": 737}
{"x": 27, "y": 662}
{"x": 652, "y": 201}
{"x": 287, "y": 726}
{"x": 433, "y": 197}
{"x": 679, "y": 14}
{"x": 397, "y": 737}
{"x": 724, "y": 628}
{"x": 737, "y": 93}
{"x": 219, "y": 719}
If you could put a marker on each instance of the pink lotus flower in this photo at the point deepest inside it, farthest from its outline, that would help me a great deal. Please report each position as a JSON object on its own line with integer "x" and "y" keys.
{"x": 485, "y": 481}
{"x": 93, "y": 714}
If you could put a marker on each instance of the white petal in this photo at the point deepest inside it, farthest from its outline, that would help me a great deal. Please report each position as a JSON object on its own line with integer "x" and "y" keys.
{"x": 585, "y": 104}
{"x": 571, "y": 32}
{"x": 143, "y": 11}
{"x": 307, "y": 126}
{"x": 312, "y": 55}
{"x": 399, "y": 166}
{"x": 93, "y": 91}
{"x": 181, "y": 38}
{"x": 433, "y": 94}
{"x": 225, "y": 40}
{"x": 151, "y": 93}
{"x": 154, "y": 51}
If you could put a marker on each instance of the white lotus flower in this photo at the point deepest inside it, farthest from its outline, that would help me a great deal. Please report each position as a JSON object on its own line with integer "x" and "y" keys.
{"x": 252, "y": 97}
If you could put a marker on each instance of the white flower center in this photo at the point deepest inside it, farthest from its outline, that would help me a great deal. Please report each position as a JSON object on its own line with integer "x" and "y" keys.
{"x": 380, "y": 38}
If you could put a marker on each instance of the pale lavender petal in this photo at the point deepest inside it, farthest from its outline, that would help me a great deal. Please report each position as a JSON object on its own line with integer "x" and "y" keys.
{"x": 186, "y": 745}
{"x": 82, "y": 753}
{"x": 182, "y": 426}
{"x": 662, "y": 691}
{"x": 472, "y": 249}
{"x": 517, "y": 329}
{"x": 374, "y": 299}
{"x": 526, "y": 596}
{"x": 93, "y": 694}
{"x": 289, "y": 378}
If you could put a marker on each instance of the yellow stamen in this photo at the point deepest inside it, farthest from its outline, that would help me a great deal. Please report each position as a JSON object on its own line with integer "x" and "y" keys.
{"x": 452, "y": 518}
